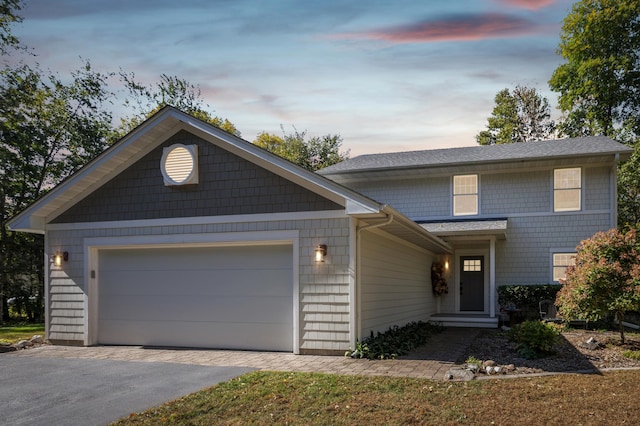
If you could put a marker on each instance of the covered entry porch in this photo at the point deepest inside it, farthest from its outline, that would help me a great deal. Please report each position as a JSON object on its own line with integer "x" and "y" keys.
{"x": 471, "y": 273}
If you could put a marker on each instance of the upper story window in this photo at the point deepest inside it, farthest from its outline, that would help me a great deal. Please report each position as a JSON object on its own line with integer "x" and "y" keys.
{"x": 561, "y": 261}
{"x": 465, "y": 195}
{"x": 567, "y": 187}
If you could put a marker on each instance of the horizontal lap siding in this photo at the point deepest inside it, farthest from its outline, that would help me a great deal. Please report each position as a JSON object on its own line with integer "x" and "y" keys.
{"x": 395, "y": 284}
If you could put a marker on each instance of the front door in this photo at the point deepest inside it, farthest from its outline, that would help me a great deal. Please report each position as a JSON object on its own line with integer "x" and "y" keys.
{"x": 472, "y": 283}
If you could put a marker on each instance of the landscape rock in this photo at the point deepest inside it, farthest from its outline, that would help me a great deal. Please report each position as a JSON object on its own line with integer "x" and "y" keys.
{"x": 23, "y": 344}
{"x": 459, "y": 374}
{"x": 488, "y": 363}
{"x": 37, "y": 339}
{"x": 591, "y": 344}
{"x": 7, "y": 348}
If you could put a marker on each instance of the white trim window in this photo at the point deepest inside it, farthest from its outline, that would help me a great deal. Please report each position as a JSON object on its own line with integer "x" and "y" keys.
{"x": 465, "y": 195}
{"x": 561, "y": 261}
{"x": 567, "y": 189}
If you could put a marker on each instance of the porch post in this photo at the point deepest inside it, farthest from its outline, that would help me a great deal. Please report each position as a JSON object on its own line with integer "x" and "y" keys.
{"x": 492, "y": 277}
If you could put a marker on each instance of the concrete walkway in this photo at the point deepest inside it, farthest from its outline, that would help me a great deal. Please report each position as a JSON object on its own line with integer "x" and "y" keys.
{"x": 431, "y": 361}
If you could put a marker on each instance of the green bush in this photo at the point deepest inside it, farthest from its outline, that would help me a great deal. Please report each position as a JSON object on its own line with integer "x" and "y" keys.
{"x": 527, "y": 297}
{"x": 535, "y": 339}
{"x": 394, "y": 342}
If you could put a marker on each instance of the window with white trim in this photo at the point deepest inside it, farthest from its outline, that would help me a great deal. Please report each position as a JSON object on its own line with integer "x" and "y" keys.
{"x": 567, "y": 187}
{"x": 465, "y": 195}
{"x": 561, "y": 261}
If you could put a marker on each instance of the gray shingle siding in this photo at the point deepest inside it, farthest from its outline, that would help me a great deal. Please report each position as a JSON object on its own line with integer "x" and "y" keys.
{"x": 228, "y": 185}
{"x": 597, "y": 188}
{"x": 525, "y": 256}
{"x": 526, "y": 192}
{"x": 414, "y": 198}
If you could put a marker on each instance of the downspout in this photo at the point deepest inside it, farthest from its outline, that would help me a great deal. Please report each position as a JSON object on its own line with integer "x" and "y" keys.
{"x": 358, "y": 322}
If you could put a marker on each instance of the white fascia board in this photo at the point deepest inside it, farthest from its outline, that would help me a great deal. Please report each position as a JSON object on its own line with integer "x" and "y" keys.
{"x": 352, "y": 207}
{"x": 89, "y": 175}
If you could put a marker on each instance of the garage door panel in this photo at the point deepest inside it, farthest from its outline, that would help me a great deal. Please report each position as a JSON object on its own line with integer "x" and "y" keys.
{"x": 224, "y": 309}
{"x": 233, "y": 257}
{"x": 225, "y": 282}
{"x": 221, "y": 297}
{"x": 246, "y": 336}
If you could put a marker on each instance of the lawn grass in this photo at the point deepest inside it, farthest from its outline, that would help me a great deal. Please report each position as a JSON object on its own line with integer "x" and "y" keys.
{"x": 15, "y": 333}
{"x": 310, "y": 398}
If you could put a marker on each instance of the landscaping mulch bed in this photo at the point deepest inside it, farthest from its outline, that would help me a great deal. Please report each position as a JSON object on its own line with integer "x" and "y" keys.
{"x": 570, "y": 354}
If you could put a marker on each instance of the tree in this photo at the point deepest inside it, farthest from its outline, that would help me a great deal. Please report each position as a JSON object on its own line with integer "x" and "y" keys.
{"x": 9, "y": 15}
{"x": 170, "y": 90}
{"x": 313, "y": 154}
{"x": 599, "y": 84}
{"x": 605, "y": 278}
{"x": 521, "y": 116}
{"x": 629, "y": 191}
{"x": 49, "y": 129}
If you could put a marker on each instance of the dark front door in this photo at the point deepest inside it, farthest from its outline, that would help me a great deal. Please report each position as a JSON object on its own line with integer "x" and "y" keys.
{"x": 472, "y": 283}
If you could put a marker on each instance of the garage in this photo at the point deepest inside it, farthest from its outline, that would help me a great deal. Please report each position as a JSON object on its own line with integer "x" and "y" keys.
{"x": 227, "y": 297}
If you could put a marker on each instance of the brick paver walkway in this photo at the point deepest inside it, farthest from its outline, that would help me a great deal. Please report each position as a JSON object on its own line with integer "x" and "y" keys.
{"x": 431, "y": 361}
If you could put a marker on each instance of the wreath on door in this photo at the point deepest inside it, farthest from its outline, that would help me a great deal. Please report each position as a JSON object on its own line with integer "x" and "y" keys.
{"x": 438, "y": 282}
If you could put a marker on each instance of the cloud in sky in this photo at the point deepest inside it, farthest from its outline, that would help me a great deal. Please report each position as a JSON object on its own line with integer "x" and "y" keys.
{"x": 460, "y": 27}
{"x": 528, "y": 4}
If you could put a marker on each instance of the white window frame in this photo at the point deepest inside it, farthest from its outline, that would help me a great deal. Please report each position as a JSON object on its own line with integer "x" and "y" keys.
{"x": 561, "y": 260}
{"x": 469, "y": 193}
{"x": 563, "y": 186}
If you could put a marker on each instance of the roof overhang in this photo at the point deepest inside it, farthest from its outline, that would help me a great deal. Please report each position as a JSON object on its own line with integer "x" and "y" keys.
{"x": 152, "y": 133}
{"x": 397, "y": 224}
{"x": 468, "y": 228}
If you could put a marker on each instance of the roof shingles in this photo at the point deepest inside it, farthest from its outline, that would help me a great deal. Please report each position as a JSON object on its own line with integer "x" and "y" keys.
{"x": 595, "y": 145}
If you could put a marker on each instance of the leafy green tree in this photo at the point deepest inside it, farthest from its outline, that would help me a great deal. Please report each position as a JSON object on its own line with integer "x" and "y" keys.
{"x": 519, "y": 116}
{"x": 605, "y": 278}
{"x": 599, "y": 84}
{"x": 313, "y": 154}
{"x": 629, "y": 191}
{"x": 8, "y": 16}
{"x": 49, "y": 129}
{"x": 144, "y": 101}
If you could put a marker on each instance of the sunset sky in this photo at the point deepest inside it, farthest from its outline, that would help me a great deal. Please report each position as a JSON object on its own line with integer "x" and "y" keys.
{"x": 386, "y": 75}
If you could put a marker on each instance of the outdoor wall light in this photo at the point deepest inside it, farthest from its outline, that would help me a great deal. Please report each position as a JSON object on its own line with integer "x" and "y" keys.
{"x": 59, "y": 257}
{"x": 321, "y": 252}
{"x": 446, "y": 265}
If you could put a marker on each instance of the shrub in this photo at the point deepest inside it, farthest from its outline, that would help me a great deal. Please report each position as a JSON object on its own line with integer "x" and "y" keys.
{"x": 605, "y": 278}
{"x": 631, "y": 354}
{"x": 394, "y": 342}
{"x": 527, "y": 297}
{"x": 535, "y": 339}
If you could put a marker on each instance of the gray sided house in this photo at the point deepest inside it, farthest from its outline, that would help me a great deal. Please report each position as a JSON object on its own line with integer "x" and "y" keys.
{"x": 184, "y": 235}
{"x": 513, "y": 214}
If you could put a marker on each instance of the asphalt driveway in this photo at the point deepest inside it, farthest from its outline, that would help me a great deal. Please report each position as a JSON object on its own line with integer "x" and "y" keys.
{"x": 55, "y": 391}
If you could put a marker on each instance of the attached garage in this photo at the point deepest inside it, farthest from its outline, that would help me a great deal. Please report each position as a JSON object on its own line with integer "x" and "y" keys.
{"x": 238, "y": 297}
{"x": 182, "y": 235}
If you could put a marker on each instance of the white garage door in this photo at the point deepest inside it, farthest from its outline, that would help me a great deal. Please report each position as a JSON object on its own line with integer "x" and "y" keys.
{"x": 237, "y": 297}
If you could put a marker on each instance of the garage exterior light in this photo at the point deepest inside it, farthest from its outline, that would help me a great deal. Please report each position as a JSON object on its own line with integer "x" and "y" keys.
{"x": 321, "y": 252}
{"x": 179, "y": 165}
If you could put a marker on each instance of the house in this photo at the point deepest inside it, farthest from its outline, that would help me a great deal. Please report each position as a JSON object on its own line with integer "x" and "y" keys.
{"x": 513, "y": 214}
{"x": 183, "y": 235}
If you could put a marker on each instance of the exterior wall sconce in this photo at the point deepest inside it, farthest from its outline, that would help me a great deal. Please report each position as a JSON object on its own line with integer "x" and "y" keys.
{"x": 321, "y": 252}
{"x": 446, "y": 265}
{"x": 59, "y": 257}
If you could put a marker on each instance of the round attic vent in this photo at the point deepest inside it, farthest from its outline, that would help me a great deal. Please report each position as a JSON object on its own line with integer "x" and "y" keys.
{"x": 179, "y": 164}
